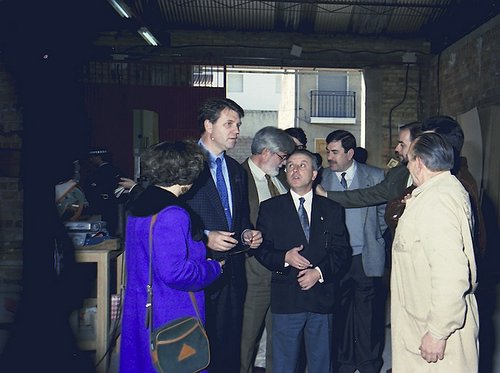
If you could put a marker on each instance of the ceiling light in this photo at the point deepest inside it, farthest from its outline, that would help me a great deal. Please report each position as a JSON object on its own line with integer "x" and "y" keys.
{"x": 148, "y": 36}
{"x": 121, "y": 8}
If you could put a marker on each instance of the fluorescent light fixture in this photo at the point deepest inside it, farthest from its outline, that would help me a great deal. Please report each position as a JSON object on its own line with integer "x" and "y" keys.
{"x": 121, "y": 8}
{"x": 148, "y": 36}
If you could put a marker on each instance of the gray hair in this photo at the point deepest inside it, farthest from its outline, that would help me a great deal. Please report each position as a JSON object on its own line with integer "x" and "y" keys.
{"x": 435, "y": 152}
{"x": 314, "y": 160}
{"x": 274, "y": 139}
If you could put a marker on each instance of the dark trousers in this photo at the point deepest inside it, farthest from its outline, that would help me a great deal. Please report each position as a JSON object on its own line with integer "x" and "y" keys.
{"x": 360, "y": 322}
{"x": 289, "y": 330}
{"x": 224, "y": 316}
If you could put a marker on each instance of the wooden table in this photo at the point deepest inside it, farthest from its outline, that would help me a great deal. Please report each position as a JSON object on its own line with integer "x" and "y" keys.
{"x": 102, "y": 254}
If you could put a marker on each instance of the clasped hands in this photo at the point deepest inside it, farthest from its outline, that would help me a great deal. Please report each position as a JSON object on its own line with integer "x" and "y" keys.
{"x": 224, "y": 241}
{"x": 307, "y": 276}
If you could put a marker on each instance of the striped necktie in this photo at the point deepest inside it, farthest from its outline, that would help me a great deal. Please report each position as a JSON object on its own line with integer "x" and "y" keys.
{"x": 343, "y": 181}
{"x": 304, "y": 220}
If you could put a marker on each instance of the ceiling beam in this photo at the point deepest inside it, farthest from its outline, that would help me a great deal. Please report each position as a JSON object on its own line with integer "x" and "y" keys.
{"x": 409, "y": 4}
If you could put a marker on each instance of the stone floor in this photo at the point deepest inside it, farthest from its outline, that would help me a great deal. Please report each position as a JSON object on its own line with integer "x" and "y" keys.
{"x": 490, "y": 335}
{"x": 489, "y": 300}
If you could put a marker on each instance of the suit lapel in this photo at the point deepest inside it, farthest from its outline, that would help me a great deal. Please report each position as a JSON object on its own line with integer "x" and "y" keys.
{"x": 253, "y": 195}
{"x": 212, "y": 194}
{"x": 332, "y": 181}
{"x": 235, "y": 183}
{"x": 317, "y": 220}
{"x": 362, "y": 181}
{"x": 294, "y": 221}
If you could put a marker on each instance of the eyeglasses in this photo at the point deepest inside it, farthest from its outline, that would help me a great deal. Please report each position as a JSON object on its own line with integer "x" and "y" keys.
{"x": 282, "y": 157}
{"x": 300, "y": 147}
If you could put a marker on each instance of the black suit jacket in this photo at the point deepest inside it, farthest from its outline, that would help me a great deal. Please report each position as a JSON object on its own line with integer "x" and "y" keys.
{"x": 328, "y": 248}
{"x": 204, "y": 200}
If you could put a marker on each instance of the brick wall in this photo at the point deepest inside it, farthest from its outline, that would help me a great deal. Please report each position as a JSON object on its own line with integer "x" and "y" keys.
{"x": 464, "y": 77}
{"x": 242, "y": 149}
{"x": 386, "y": 103}
{"x": 467, "y": 74}
{"x": 10, "y": 210}
{"x": 10, "y": 158}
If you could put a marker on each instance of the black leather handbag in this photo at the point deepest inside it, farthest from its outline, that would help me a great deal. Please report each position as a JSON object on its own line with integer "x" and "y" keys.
{"x": 181, "y": 345}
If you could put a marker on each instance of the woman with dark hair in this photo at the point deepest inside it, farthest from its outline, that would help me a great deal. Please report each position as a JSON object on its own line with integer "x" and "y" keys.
{"x": 179, "y": 258}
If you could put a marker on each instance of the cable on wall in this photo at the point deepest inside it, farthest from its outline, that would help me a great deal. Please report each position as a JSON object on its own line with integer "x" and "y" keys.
{"x": 398, "y": 104}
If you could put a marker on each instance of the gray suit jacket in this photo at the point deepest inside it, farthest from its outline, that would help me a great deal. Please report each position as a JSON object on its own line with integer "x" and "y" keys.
{"x": 372, "y": 222}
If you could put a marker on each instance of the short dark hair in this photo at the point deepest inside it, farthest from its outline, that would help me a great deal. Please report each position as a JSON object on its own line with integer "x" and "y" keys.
{"x": 451, "y": 131}
{"x": 448, "y": 128}
{"x": 212, "y": 108}
{"x": 298, "y": 133}
{"x": 360, "y": 154}
{"x": 415, "y": 129}
{"x": 346, "y": 138}
{"x": 435, "y": 152}
{"x": 171, "y": 163}
{"x": 274, "y": 139}
{"x": 319, "y": 160}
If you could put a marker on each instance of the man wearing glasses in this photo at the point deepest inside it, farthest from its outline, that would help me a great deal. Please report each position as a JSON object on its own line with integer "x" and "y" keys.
{"x": 270, "y": 148}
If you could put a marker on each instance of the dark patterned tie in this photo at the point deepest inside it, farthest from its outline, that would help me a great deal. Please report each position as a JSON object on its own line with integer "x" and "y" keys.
{"x": 272, "y": 188}
{"x": 304, "y": 220}
{"x": 343, "y": 181}
{"x": 222, "y": 189}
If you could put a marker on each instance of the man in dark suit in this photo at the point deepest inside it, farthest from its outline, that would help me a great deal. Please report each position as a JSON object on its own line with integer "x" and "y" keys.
{"x": 270, "y": 147}
{"x": 219, "y": 198}
{"x": 305, "y": 245}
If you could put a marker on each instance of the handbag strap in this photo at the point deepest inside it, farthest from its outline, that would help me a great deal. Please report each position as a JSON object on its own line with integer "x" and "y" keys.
{"x": 149, "y": 302}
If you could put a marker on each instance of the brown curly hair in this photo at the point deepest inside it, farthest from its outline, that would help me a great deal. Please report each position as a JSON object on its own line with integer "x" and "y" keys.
{"x": 170, "y": 163}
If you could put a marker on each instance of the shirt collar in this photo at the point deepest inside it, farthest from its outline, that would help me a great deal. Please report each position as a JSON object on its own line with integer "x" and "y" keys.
{"x": 429, "y": 183}
{"x": 211, "y": 157}
{"x": 308, "y": 196}
{"x": 256, "y": 171}
{"x": 349, "y": 173}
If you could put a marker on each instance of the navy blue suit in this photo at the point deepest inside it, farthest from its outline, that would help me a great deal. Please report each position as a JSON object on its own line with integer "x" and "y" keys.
{"x": 225, "y": 297}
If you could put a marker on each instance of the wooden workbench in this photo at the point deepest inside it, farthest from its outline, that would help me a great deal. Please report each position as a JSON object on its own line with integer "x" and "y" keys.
{"x": 102, "y": 254}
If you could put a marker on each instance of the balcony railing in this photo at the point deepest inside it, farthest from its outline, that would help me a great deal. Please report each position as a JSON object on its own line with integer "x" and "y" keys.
{"x": 333, "y": 104}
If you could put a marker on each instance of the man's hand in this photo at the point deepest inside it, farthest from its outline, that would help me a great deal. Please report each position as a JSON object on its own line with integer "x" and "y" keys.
{"x": 320, "y": 191}
{"x": 221, "y": 240}
{"x": 296, "y": 260}
{"x": 307, "y": 278}
{"x": 432, "y": 349}
{"x": 126, "y": 183}
{"x": 252, "y": 238}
